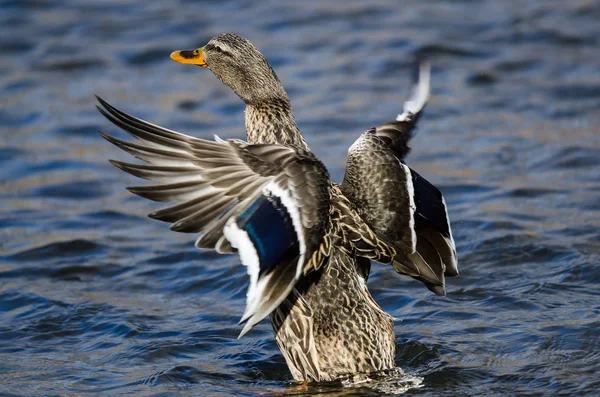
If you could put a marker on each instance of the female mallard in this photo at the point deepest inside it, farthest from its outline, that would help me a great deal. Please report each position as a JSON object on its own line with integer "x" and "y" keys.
{"x": 307, "y": 242}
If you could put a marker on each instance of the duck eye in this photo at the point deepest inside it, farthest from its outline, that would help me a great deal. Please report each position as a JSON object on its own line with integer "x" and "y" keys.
{"x": 218, "y": 49}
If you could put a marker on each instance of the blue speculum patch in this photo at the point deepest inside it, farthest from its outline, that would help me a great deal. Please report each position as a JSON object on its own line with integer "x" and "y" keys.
{"x": 271, "y": 230}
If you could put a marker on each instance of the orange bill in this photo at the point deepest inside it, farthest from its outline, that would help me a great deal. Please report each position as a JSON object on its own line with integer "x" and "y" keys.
{"x": 192, "y": 57}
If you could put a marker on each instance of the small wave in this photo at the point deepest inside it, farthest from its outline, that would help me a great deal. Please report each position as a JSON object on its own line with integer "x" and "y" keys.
{"x": 58, "y": 249}
{"x": 72, "y": 190}
{"x": 70, "y": 65}
{"x": 393, "y": 381}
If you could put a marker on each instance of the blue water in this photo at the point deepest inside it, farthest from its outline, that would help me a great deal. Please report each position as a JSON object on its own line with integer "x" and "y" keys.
{"x": 96, "y": 297}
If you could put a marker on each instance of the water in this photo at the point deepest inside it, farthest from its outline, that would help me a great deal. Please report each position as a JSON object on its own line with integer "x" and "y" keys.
{"x": 96, "y": 297}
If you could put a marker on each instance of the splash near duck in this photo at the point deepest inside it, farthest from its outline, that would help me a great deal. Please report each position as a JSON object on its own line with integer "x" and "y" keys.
{"x": 307, "y": 242}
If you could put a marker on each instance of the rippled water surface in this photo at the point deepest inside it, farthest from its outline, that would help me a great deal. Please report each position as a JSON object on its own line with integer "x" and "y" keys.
{"x": 96, "y": 297}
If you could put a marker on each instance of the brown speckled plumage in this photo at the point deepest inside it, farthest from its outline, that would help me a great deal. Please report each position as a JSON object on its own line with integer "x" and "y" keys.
{"x": 329, "y": 326}
{"x": 273, "y": 122}
{"x": 352, "y": 333}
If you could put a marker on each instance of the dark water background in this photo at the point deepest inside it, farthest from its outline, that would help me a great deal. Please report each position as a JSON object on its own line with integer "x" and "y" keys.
{"x": 96, "y": 297}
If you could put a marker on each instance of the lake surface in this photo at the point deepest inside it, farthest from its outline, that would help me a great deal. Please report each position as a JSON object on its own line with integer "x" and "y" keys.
{"x": 96, "y": 297}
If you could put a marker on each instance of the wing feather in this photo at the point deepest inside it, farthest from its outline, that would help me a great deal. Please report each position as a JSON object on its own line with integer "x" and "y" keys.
{"x": 269, "y": 202}
{"x": 160, "y": 174}
{"x": 401, "y": 207}
{"x": 150, "y": 154}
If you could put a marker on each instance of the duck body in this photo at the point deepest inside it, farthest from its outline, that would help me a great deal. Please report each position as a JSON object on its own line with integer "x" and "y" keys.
{"x": 308, "y": 243}
{"x": 342, "y": 328}
{"x": 352, "y": 334}
{"x": 334, "y": 328}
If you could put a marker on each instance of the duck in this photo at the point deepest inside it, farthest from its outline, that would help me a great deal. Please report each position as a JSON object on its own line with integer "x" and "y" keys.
{"x": 307, "y": 242}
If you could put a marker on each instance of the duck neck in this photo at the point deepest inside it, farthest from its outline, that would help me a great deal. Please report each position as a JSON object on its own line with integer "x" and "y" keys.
{"x": 272, "y": 121}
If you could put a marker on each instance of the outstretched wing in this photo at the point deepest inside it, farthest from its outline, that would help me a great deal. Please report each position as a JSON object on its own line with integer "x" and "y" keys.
{"x": 399, "y": 205}
{"x": 269, "y": 202}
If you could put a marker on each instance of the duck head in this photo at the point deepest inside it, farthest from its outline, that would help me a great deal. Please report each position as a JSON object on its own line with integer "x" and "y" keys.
{"x": 237, "y": 63}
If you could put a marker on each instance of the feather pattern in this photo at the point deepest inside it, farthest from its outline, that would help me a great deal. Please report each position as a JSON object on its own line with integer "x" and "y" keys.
{"x": 293, "y": 325}
{"x": 400, "y": 206}
{"x": 220, "y": 186}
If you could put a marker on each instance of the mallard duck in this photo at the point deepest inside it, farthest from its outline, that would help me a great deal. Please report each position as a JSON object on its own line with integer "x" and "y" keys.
{"x": 307, "y": 242}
